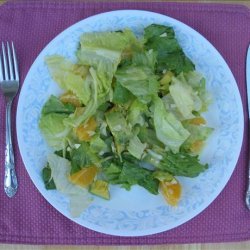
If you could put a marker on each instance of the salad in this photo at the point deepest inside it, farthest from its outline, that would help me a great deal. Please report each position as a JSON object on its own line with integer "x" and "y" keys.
{"x": 130, "y": 114}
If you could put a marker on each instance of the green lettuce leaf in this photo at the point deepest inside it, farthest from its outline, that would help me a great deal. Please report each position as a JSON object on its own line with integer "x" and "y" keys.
{"x": 185, "y": 97}
{"x": 132, "y": 175}
{"x": 98, "y": 145}
{"x": 148, "y": 135}
{"x": 119, "y": 129}
{"x": 47, "y": 178}
{"x": 168, "y": 129}
{"x": 198, "y": 83}
{"x": 181, "y": 164}
{"x": 112, "y": 172}
{"x": 128, "y": 174}
{"x": 197, "y": 134}
{"x": 137, "y": 112}
{"x": 82, "y": 157}
{"x": 175, "y": 164}
{"x": 103, "y": 52}
{"x": 121, "y": 95}
{"x": 114, "y": 41}
{"x": 139, "y": 80}
{"x": 69, "y": 76}
{"x": 147, "y": 59}
{"x": 136, "y": 147}
{"x": 81, "y": 115}
{"x": 170, "y": 55}
{"x": 171, "y": 106}
{"x": 79, "y": 197}
{"x": 54, "y": 105}
{"x": 54, "y": 130}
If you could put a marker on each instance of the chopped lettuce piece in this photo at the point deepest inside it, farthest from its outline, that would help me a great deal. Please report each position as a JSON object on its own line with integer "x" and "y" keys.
{"x": 102, "y": 51}
{"x": 98, "y": 145}
{"x": 198, "y": 83}
{"x": 104, "y": 62}
{"x": 184, "y": 97}
{"x": 170, "y": 55}
{"x": 147, "y": 59}
{"x": 136, "y": 147}
{"x": 54, "y": 105}
{"x": 54, "y": 130}
{"x": 79, "y": 197}
{"x": 137, "y": 112}
{"x": 132, "y": 175}
{"x": 69, "y": 76}
{"x": 181, "y": 164}
{"x": 171, "y": 107}
{"x": 197, "y": 138}
{"x": 117, "y": 41}
{"x": 47, "y": 178}
{"x": 82, "y": 157}
{"x": 193, "y": 78}
{"x": 81, "y": 115}
{"x": 121, "y": 95}
{"x": 119, "y": 129}
{"x": 128, "y": 174}
{"x": 176, "y": 164}
{"x": 112, "y": 173}
{"x": 139, "y": 80}
{"x": 168, "y": 129}
{"x": 148, "y": 135}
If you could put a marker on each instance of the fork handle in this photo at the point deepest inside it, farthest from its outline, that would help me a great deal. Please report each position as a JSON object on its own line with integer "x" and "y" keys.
{"x": 10, "y": 180}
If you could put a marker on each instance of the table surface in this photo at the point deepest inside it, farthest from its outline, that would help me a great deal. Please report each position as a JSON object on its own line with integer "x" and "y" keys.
{"x": 218, "y": 246}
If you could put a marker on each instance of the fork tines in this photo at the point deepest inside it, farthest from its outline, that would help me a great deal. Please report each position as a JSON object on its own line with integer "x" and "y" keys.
{"x": 8, "y": 64}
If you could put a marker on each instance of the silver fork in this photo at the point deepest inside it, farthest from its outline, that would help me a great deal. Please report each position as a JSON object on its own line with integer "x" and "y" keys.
{"x": 9, "y": 85}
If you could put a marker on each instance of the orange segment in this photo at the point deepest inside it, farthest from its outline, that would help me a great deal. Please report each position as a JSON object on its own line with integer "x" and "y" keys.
{"x": 171, "y": 191}
{"x": 85, "y": 131}
{"x": 71, "y": 98}
{"x": 84, "y": 177}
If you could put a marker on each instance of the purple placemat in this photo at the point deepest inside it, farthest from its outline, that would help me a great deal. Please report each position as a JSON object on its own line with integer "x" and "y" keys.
{"x": 28, "y": 218}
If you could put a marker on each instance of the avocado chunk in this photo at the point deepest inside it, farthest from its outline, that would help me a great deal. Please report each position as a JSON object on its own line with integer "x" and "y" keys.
{"x": 100, "y": 188}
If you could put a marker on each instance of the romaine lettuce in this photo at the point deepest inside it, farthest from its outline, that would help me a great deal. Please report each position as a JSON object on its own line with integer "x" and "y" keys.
{"x": 136, "y": 147}
{"x": 119, "y": 129}
{"x": 60, "y": 170}
{"x": 82, "y": 114}
{"x": 170, "y": 55}
{"x": 83, "y": 157}
{"x": 139, "y": 80}
{"x": 137, "y": 113}
{"x": 169, "y": 130}
{"x": 185, "y": 98}
{"x": 197, "y": 138}
{"x": 54, "y": 105}
{"x": 54, "y": 130}
{"x": 69, "y": 76}
{"x": 176, "y": 164}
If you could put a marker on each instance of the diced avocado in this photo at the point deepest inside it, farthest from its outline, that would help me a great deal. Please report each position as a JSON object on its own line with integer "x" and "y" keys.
{"x": 100, "y": 188}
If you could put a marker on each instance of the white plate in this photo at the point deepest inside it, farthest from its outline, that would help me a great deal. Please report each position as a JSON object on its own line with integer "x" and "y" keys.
{"x": 136, "y": 212}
